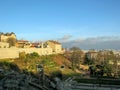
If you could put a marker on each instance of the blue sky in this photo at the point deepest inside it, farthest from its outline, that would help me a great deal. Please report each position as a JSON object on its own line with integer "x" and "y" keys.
{"x": 56, "y": 19}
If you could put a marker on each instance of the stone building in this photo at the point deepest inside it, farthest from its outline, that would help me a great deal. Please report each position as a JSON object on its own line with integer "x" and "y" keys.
{"x": 4, "y": 36}
{"x": 23, "y": 44}
{"x": 56, "y": 46}
{"x": 91, "y": 54}
{"x": 43, "y": 48}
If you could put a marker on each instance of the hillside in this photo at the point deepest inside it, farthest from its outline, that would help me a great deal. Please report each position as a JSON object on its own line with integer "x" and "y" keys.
{"x": 52, "y": 64}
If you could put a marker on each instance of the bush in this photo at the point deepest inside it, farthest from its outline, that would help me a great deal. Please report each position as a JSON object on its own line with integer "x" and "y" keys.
{"x": 9, "y": 66}
{"x": 22, "y": 55}
{"x": 57, "y": 74}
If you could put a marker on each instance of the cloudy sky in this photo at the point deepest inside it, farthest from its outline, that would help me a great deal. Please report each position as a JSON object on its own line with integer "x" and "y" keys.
{"x": 84, "y": 23}
{"x": 98, "y": 43}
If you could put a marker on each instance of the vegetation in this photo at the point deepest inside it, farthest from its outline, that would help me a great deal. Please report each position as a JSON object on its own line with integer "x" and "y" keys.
{"x": 72, "y": 60}
{"x": 11, "y": 41}
{"x": 76, "y": 56}
{"x": 8, "y": 66}
{"x": 52, "y": 63}
{"x": 101, "y": 64}
{"x": 88, "y": 61}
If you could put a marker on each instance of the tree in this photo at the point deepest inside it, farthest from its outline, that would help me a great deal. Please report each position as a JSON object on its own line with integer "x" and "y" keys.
{"x": 92, "y": 70}
{"x": 107, "y": 68}
{"x": 11, "y": 41}
{"x": 115, "y": 65}
{"x": 88, "y": 61}
{"x": 104, "y": 58}
{"x": 22, "y": 55}
{"x": 34, "y": 55}
{"x": 76, "y": 57}
{"x": 75, "y": 49}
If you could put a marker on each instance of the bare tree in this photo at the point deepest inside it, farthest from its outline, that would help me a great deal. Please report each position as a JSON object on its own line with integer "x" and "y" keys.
{"x": 11, "y": 41}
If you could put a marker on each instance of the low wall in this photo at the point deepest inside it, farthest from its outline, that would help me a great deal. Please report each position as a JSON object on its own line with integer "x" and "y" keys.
{"x": 40, "y": 51}
{"x": 9, "y": 53}
{"x": 14, "y": 52}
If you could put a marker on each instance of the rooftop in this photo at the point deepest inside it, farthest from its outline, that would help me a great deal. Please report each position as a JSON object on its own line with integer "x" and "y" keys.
{"x": 55, "y": 42}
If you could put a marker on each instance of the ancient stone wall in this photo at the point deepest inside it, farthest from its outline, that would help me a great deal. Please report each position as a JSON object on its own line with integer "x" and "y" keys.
{"x": 14, "y": 52}
{"x": 9, "y": 53}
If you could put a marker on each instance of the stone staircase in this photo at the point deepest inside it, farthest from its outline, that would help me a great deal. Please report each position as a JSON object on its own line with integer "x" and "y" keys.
{"x": 17, "y": 81}
{"x": 69, "y": 84}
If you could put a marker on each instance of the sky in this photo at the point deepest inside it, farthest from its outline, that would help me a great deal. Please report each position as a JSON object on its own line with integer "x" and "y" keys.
{"x": 83, "y": 23}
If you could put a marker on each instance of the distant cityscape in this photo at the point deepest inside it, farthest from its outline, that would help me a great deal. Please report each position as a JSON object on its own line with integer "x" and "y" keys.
{"x": 59, "y": 44}
{"x": 10, "y": 44}
{"x": 90, "y": 64}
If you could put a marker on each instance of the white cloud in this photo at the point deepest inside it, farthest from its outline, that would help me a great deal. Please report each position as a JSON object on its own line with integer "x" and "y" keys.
{"x": 65, "y": 38}
{"x": 103, "y": 42}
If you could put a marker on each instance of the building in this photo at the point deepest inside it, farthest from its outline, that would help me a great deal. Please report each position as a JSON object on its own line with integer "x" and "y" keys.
{"x": 4, "y": 36}
{"x": 36, "y": 45}
{"x": 43, "y": 48}
{"x": 91, "y": 54}
{"x": 23, "y": 44}
{"x": 56, "y": 46}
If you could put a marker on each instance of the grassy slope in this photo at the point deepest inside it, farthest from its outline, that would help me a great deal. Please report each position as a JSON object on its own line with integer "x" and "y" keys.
{"x": 52, "y": 63}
